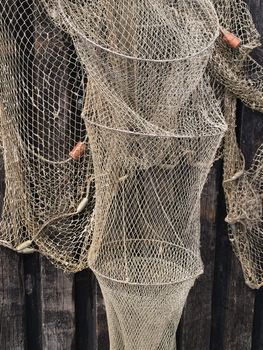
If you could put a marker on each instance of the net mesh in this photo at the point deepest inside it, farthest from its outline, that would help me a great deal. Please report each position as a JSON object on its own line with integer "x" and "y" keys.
{"x": 244, "y": 192}
{"x": 42, "y": 84}
{"x": 112, "y": 114}
{"x": 241, "y": 77}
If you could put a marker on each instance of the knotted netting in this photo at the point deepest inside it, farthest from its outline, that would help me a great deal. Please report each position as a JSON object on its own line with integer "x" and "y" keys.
{"x": 46, "y": 174}
{"x": 241, "y": 77}
{"x": 153, "y": 133}
{"x": 111, "y": 117}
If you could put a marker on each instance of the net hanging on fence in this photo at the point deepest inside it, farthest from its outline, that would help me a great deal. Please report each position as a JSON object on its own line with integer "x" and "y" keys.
{"x": 242, "y": 77}
{"x": 41, "y": 87}
{"x": 111, "y": 117}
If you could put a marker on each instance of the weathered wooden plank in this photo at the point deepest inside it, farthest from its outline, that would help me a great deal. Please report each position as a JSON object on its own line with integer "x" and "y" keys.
{"x": 57, "y": 306}
{"x": 239, "y": 311}
{"x": 196, "y": 320}
{"x": 85, "y": 308}
{"x": 12, "y": 334}
{"x": 221, "y": 280}
{"x": 257, "y": 335}
{"x": 101, "y": 322}
{"x": 33, "y": 315}
{"x": 49, "y": 306}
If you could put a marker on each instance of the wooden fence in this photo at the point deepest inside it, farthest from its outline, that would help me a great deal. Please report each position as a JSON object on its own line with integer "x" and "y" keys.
{"x": 41, "y": 308}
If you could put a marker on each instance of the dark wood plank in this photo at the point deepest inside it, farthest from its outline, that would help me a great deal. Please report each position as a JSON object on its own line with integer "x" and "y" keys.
{"x": 196, "y": 320}
{"x": 12, "y": 335}
{"x": 57, "y": 304}
{"x": 12, "y": 330}
{"x": 49, "y": 306}
{"x": 33, "y": 315}
{"x": 233, "y": 301}
{"x": 239, "y": 311}
{"x": 221, "y": 274}
{"x": 101, "y": 322}
{"x": 85, "y": 308}
{"x": 257, "y": 335}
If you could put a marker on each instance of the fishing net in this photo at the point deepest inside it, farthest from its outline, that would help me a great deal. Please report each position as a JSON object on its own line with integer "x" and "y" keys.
{"x": 153, "y": 134}
{"x": 111, "y": 118}
{"x": 146, "y": 233}
{"x": 244, "y": 192}
{"x": 47, "y": 172}
{"x": 241, "y": 77}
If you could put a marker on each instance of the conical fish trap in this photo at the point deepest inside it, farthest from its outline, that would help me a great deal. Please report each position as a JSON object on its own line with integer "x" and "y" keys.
{"x": 144, "y": 317}
{"x": 146, "y": 220}
{"x": 148, "y": 187}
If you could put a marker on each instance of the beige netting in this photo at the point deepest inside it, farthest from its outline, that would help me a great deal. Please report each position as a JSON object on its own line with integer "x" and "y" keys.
{"x": 111, "y": 117}
{"x": 243, "y": 78}
{"x": 244, "y": 193}
{"x": 41, "y": 89}
{"x": 234, "y": 67}
{"x": 153, "y": 134}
